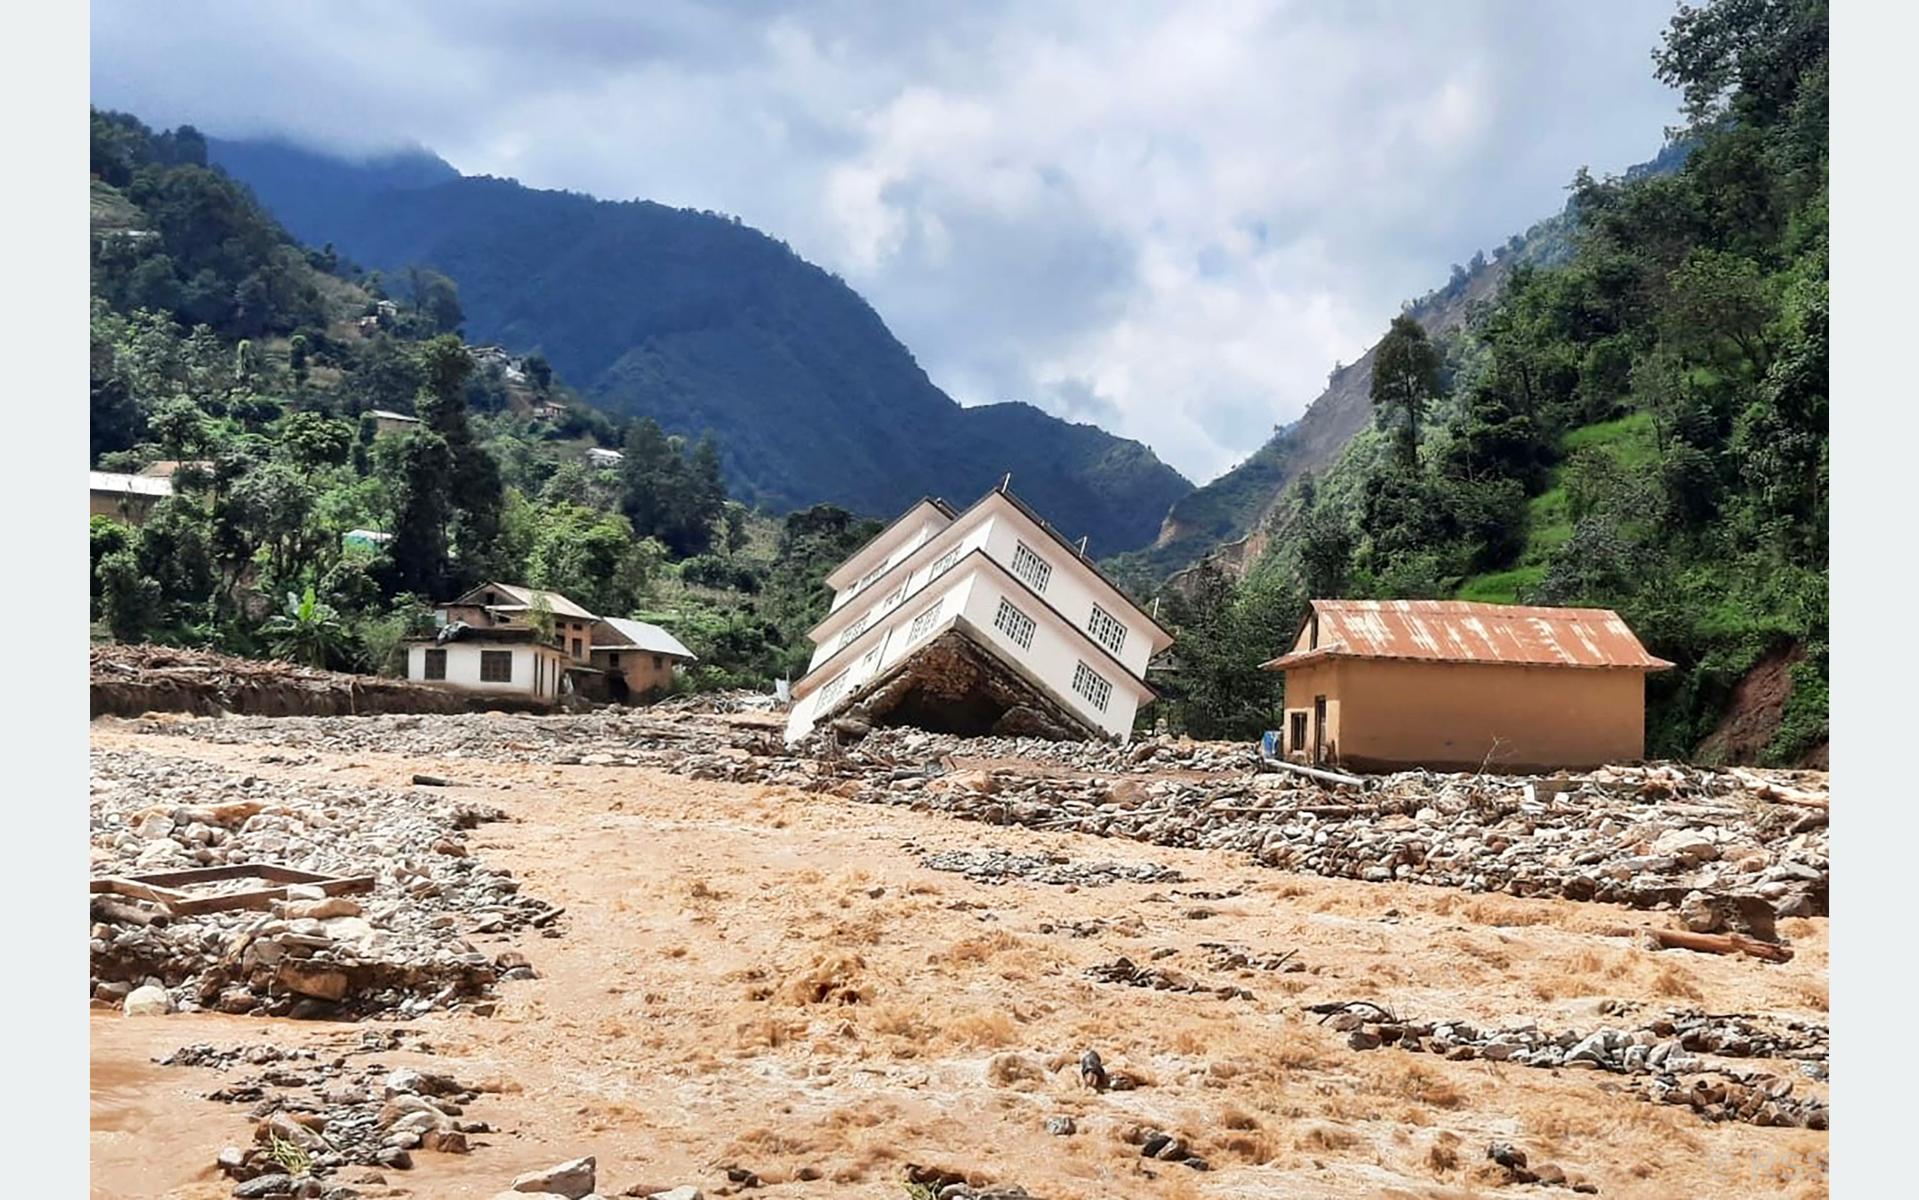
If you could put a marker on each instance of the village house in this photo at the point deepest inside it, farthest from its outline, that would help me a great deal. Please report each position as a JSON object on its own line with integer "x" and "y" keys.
{"x": 548, "y": 410}
{"x": 388, "y": 421}
{"x": 1378, "y": 685}
{"x": 490, "y": 640}
{"x": 127, "y": 498}
{"x": 975, "y": 622}
{"x": 604, "y": 459}
{"x": 639, "y": 659}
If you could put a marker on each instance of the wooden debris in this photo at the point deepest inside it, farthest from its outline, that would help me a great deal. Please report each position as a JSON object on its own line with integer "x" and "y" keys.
{"x": 1779, "y": 793}
{"x": 1315, "y": 773}
{"x": 1714, "y": 943}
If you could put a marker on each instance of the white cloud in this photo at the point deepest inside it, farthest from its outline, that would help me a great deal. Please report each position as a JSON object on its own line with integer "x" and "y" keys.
{"x": 1170, "y": 218}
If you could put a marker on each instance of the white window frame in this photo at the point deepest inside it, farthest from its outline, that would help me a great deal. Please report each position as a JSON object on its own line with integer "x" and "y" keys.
{"x": 1016, "y": 625}
{"x": 830, "y": 691}
{"x": 1029, "y": 567}
{"x": 1106, "y": 629}
{"x": 944, "y": 563}
{"x": 853, "y": 631}
{"x": 867, "y": 580}
{"x": 924, "y": 622}
{"x": 1096, "y": 688}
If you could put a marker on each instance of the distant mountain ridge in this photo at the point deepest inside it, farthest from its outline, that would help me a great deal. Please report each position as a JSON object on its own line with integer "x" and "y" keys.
{"x": 707, "y": 324}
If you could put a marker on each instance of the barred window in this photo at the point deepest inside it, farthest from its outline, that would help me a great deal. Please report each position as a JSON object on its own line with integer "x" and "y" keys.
{"x": 496, "y": 666}
{"x": 943, "y": 564}
{"x": 923, "y": 624}
{"x": 1106, "y": 629}
{"x": 870, "y": 659}
{"x": 1092, "y": 685}
{"x": 1029, "y": 566}
{"x": 867, "y": 579}
{"x": 436, "y": 664}
{"x": 853, "y": 631}
{"x": 1014, "y": 624}
{"x": 831, "y": 691}
{"x": 892, "y": 602}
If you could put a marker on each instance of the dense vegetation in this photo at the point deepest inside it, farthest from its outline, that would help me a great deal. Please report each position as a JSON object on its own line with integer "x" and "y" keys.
{"x": 1641, "y": 427}
{"x": 219, "y": 344}
{"x": 711, "y": 327}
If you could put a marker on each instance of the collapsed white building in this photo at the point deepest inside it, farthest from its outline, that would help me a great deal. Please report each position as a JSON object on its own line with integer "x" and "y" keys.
{"x": 977, "y": 622}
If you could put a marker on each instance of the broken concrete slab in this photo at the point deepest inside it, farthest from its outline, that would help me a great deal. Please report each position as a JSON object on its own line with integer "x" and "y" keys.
{"x": 955, "y": 684}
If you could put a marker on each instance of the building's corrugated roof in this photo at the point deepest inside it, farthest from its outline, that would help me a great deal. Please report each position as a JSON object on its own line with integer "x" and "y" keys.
{"x": 1460, "y": 631}
{"x": 558, "y": 604}
{"x": 638, "y": 635}
{"x": 387, "y": 414}
{"x": 136, "y": 485}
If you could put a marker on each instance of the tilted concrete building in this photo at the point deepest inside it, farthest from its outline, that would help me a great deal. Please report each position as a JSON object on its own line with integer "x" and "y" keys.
{"x": 975, "y": 622}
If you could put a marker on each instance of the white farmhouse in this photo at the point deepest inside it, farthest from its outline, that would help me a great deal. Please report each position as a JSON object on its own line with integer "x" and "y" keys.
{"x": 488, "y": 641}
{"x": 982, "y": 621}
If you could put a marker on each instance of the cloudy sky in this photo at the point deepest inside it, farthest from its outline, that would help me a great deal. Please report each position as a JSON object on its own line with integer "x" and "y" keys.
{"x": 1171, "y": 220}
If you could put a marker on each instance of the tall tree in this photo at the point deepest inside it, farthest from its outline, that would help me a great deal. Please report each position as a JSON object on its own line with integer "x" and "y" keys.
{"x": 477, "y": 491}
{"x": 437, "y": 297}
{"x": 1405, "y": 378}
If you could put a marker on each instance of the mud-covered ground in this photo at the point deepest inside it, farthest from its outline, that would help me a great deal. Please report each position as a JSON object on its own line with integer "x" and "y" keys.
{"x": 822, "y": 991}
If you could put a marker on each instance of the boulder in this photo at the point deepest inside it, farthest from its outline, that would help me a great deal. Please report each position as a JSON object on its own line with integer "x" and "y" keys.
{"x": 573, "y": 1179}
{"x": 322, "y": 981}
{"x": 321, "y": 909}
{"x": 148, "y": 1001}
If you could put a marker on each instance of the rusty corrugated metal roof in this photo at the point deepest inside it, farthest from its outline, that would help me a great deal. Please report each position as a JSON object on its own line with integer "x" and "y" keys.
{"x": 1460, "y": 631}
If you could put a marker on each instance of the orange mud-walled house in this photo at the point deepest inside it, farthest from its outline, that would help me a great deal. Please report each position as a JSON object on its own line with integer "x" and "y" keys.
{"x": 1380, "y": 685}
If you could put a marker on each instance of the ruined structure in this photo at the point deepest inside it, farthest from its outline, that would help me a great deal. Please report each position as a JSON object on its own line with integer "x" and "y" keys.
{"x": 976, "y": 622}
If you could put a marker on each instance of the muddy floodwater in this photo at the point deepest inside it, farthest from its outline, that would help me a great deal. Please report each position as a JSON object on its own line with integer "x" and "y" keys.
{"x": 824, "y": 993}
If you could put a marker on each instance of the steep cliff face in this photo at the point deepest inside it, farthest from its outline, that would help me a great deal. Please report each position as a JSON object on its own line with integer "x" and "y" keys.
{"x": 1228, "y": 520}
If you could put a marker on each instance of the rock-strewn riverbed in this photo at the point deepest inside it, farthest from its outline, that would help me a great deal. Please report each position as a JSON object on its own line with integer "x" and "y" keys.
{"x": 1645, "y": 836}
{"x": 408, "y": 946}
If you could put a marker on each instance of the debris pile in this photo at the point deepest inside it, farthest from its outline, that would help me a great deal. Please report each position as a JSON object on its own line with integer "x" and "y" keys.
{"x": 944, "y": 1183}
{"x": 998, "y": 866}
{"x": 1163, "y": 1146}
{"x": 1515, "y": 1163}
{"x": 315, "y": 1116}
{"x": 1648, "y": 837}
{"x": 402, "y": 949}
{"x": 1670, "y": 1057}
{"x": 1125, "y": 970}
{"x": 128, "y": 680}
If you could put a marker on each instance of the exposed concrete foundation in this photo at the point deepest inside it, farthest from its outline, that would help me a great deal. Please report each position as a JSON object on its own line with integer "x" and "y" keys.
{"x": 953, "y": 684}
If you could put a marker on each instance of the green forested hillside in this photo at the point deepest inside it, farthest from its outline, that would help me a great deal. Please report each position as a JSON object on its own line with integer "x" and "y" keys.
{"x": 1643, "y": 427}
{"x": 710, "y": 326}
{"x": 220, "y": 344}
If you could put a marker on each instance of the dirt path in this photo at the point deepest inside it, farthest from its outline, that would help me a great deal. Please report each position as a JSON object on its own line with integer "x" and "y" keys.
{"x": 771, "y": 979}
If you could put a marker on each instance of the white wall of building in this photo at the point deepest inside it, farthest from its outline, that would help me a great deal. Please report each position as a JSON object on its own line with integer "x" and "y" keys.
{"x": 463, "y": 668}
{"x": 898, "y": 545}
{"x": 1072, "y": 588}
{"x": 902, "y": 588}
{"x": 1055, "y": 654}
